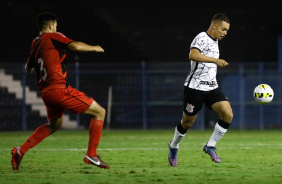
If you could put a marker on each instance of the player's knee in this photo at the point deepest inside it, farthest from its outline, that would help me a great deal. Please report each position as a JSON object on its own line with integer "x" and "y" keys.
{"x": 99, "y": 113}
{"x": 187, "y": 124}
{"x": 55, "y": 125}
{"x": 103, "y": 112}
{"x": 227, "y": 117}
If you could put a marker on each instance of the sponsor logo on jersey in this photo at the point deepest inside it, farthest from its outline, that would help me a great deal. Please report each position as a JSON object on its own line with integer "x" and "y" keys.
{"x": 209, "y": 83}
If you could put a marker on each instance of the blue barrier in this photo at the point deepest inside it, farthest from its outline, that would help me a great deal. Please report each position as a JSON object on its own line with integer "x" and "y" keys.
{"x": 149, "y": 95}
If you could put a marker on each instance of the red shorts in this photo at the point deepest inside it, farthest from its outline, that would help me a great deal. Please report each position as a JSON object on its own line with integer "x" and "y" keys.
{"x": 59, "y": 99}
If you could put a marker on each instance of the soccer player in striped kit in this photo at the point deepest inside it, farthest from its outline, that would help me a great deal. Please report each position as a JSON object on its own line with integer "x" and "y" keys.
{"x": 47, "y": 58}
{"x": 201, "y": 87}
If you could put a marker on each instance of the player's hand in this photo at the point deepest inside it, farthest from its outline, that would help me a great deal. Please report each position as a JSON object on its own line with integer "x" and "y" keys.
{"x": 99, "y": 49}
{"x": 28, "y": 70}
{"x": 221, "y": 63}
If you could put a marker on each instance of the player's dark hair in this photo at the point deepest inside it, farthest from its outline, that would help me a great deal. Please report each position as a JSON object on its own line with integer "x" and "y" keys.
{"x": 220, "y": 17}
{"x": 44, "y": 19}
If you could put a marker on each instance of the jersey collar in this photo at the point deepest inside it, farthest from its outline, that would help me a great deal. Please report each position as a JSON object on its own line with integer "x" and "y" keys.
{"x": 211, "y": 37}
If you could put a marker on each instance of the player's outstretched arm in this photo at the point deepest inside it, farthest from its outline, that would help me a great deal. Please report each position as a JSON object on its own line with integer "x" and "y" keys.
{"x": 83, "y": 47}
{"x": 195, "y": 55}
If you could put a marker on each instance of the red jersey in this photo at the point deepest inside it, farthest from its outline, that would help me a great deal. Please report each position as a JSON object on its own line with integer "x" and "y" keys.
{"x": 47, "y": 53}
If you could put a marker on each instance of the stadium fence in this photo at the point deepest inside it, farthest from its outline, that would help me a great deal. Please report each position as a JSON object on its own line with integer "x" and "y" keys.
{"x": 148, "y": 95}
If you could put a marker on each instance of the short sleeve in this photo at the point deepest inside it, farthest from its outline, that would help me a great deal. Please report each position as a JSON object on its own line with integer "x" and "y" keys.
{"x": 60, "y": 41}
{"x": 199, "y": 42}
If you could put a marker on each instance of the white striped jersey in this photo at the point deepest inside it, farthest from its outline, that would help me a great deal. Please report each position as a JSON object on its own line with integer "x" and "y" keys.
{"x": 203, "y": 75}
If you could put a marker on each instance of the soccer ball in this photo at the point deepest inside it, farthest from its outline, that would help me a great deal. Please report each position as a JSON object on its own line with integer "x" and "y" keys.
{"x": 263, "y": 94}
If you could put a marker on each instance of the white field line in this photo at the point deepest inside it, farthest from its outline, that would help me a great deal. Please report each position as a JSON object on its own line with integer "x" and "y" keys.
{"x": 273, "y": 146}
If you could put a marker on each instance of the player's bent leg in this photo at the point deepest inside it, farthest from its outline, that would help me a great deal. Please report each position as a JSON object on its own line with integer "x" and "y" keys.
{"x": 39, "y": 134}
{"x": 180, "y": 131}
{"x": 97, "y": 113}
{"x": 224, "y": 111}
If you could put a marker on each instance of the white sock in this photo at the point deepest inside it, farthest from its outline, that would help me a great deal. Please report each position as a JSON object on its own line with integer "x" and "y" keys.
{"x": 176, "y": 139}
{"x": 217, "y": 134}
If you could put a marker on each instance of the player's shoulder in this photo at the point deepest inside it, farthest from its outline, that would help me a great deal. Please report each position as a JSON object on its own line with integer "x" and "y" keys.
{"x": 60, "y": 34}
{"x": 35, "y": 40}
{"x": 201, "y": 39}
{"x": 202, "y": 35}
{"x": 56, "y": 34}
{"x": 205, "y": 37}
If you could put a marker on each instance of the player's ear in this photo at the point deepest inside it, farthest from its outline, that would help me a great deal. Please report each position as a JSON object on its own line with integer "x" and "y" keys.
{"x": 51, "y": 25}
{"x": 214, "y": 25}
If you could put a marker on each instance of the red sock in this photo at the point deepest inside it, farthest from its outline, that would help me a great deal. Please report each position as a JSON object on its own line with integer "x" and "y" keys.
{"x": 95, "y": 131}
{"x": 39, "y": 134}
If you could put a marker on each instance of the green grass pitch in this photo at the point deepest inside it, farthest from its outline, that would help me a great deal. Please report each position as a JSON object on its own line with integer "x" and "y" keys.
{"x": 141, "y": 157}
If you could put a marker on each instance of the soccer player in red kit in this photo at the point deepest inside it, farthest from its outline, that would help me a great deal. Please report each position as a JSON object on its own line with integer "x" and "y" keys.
{"x": 46, "y": 57}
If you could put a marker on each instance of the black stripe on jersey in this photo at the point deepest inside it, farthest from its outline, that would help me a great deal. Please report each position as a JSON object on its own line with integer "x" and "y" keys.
{"x": 32, "y": 62}
{"x": 64, "y": 69}
{"x": 69, "y": 43}
{"x": 59, "y": 45}
{"x": 189, "y": 80}
{"x": 196, "y": 48}
{"x": 211, "y": 37}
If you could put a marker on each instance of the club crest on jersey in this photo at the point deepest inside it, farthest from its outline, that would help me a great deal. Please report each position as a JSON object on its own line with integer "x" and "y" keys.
{"x": 190, "y": 108}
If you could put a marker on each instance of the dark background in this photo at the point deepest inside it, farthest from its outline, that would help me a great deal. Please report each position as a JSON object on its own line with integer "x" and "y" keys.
{"x": 144, "y": 30}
